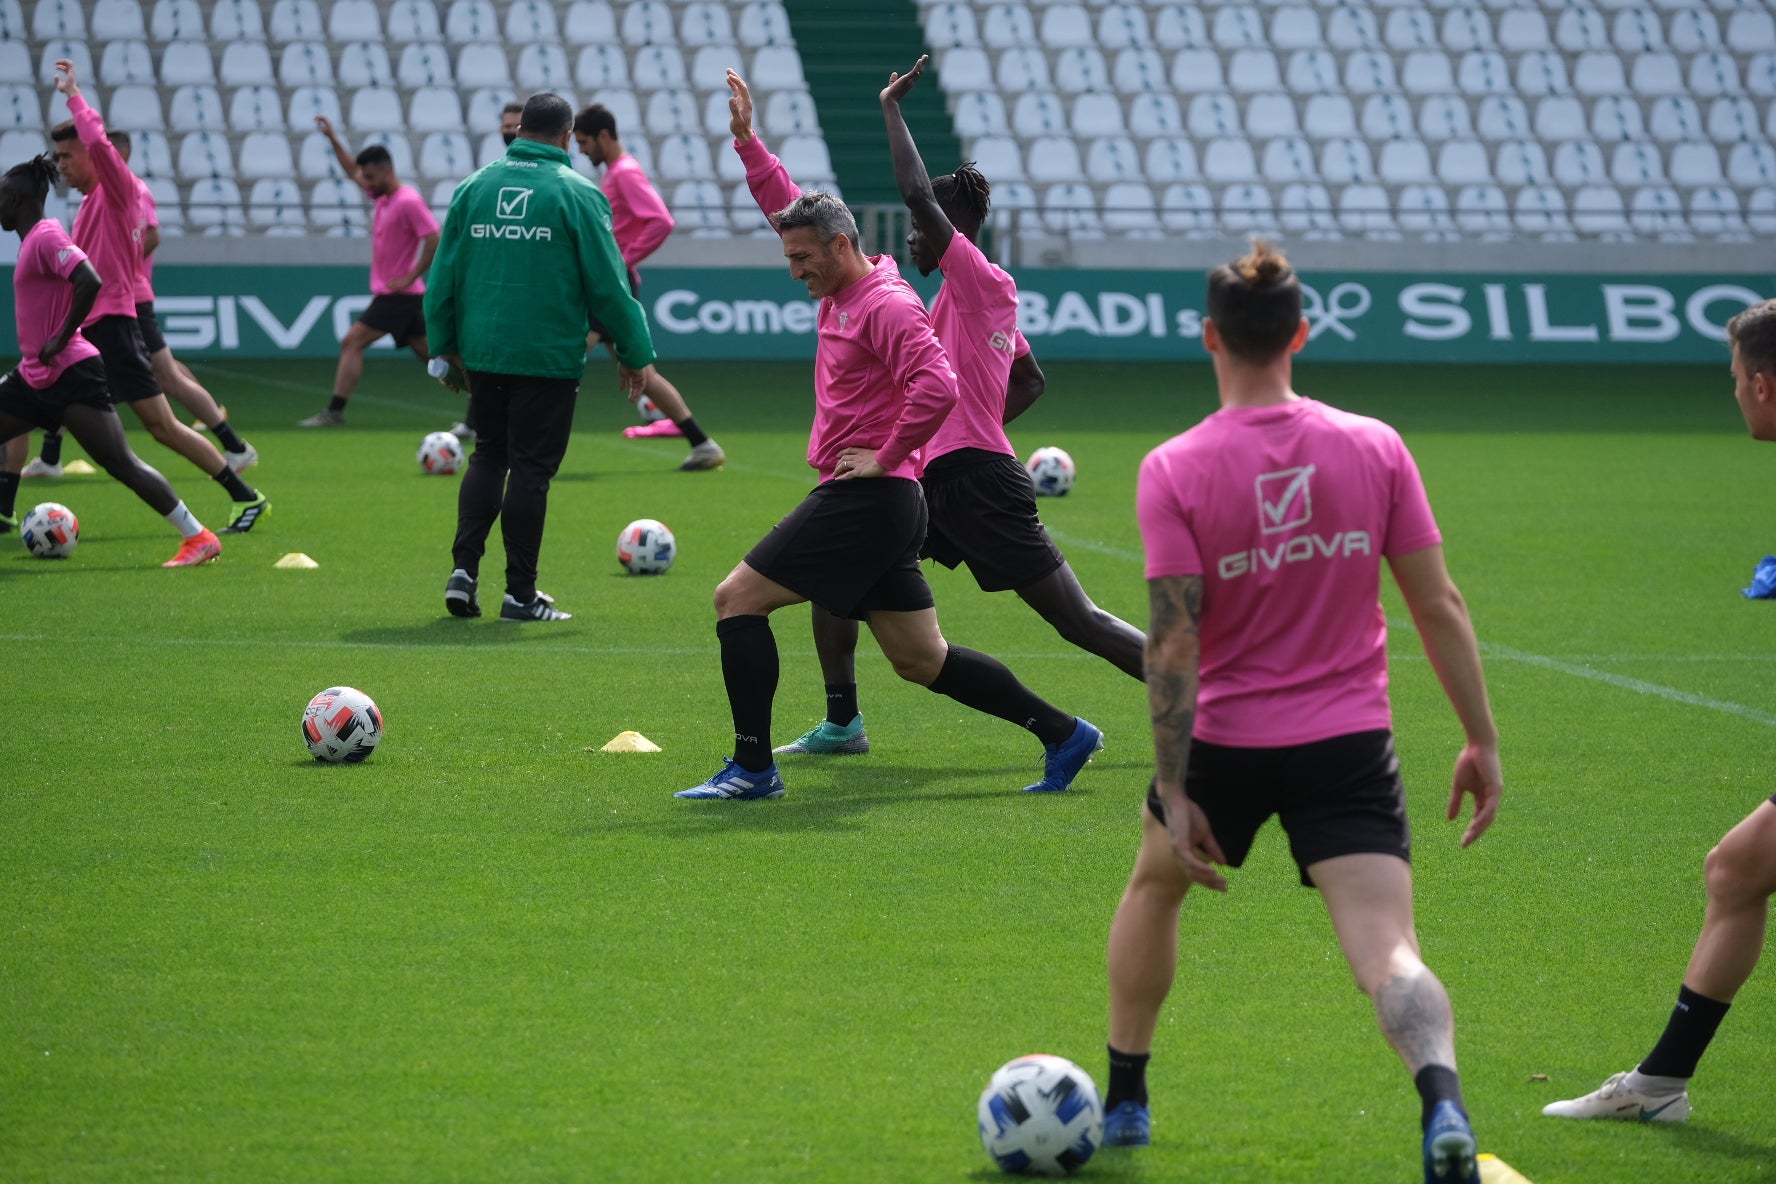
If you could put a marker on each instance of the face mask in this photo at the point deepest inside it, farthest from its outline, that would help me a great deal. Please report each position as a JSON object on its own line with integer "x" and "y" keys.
{"x": 508, "y": 137}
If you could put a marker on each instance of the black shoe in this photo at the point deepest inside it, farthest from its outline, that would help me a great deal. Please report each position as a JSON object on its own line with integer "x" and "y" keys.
{"x": 459, "y": 595}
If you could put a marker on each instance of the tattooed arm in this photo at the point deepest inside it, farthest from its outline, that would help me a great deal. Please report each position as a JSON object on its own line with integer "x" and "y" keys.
{"x": 1173, "y": 656}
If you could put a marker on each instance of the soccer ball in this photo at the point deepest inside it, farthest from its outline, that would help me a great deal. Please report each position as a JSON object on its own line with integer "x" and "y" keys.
{"x": 646, "y": 548}
{"x": 1041, "y": 1115}
{"x": 50, "y": 531}
{"x": 1051, "y": 471}
{"x": 440, "y": 454}
{"x": 341, "y": 726}
{"x": 649, "y": 410}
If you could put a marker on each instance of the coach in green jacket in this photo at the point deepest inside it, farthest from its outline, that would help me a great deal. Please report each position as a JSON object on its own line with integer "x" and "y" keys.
{"x": 525, "y": 256}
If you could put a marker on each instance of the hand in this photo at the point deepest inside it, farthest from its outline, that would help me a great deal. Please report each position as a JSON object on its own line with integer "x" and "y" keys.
{"x": 1477, "y": 772}
{"x": 633, "y": 383}
{"x": 856, "y": 463}
{"x": 52, "y": 347}
{"x": 65, "y": 78}
{"x": 901, "y": 85}
{"x": 402, "y": 282}
{"x": 326, "y": 126}
{"x": 739, "y": 108}
{"x": 454, "y": 379}
{"x": 1193, "y": 844}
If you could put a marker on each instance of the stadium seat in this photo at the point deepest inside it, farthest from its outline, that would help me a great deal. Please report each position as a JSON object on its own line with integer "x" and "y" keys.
{"x": 1251, "y": 70}
{"x": 946, "y": 25}
{"x": 364, "y": 63}
{"x": 58, "y": 20}
{"x": 1714, "y": 210}
{"x": 1541, "y": 210}
{"x": 1463, "y": 162}
{"x": 1248, "y": 209}
{"x": 414, "y": 20}
{"x": 1751, "y": 30}
{"x": 531, "y": 21}
{"x": 354, "y": 20}
{"x": 338, "y": 205}
{"x": 671, "y": 113}
{"x": 1287, "y": 159}
{"x": 305, "y": 63}
{"x": 1187, "y": 210}
{"x": 266, "y": 154}
{"x": 1695, "y": 164}
{"x": 1213, "y": 115}
{"x": 187, "y": 63}
{"x": 1410, "y": 30}
{"x": 1130, "y": 208}
{"x": 246, "y": 63}
{"x": 1138, "y": 71}
{"x": 1615, "y": 119}
{"x": 623, "y": 106}
{"x": 747, "y": 218}
{"x": 1327, "y": 116}
{"x": 214, "y": 206}
{"x": 1636, "y": 30}
{"x": 977, "y": 113}
{"x": 1199, "y": 70}
{"x": 1483, "y": 72}
{"x": 1560, "y": 117}
{"x": 1598, "y": 210}
{"x": 376, "y": 109}
{"x": 685, "y": 157}
{"x": 166, "y": 200}
{"x": 658, "y": 67}
{"x": 764, "y": 22}
{"x": 1113, "y": 158}
{"x": 1008, "y": 26}
{"x": 600, "y": 67}
{"x": 1081, "y": 69}
{"x": 424, "y": 64}
{"x": 1070, "y": 211}
{"x": 120, "y": 19}
{"x": 1386, "y": 117}
{"x": 439, "y": 109}
{"x": 1581, "y": 30}
{"x": 647, "y": 22}
{"x": 705, "y": 23}
{"x": 1097, "y": 115}
{"x": 1760, "y": 74}
{"x": 1427, "y": 72}
{"x": 1023, "y": 69}
{"x": 307, "y": 102}
{"x": 1271, "y": 115}
{"x": 256, "y": 109}
{"x": 276, "y": 202}
{"x": 1748, "y": 164}
{"x": 1656, "y": 74}
{"x": 53, "y": 51}
{"x": 1502, "y": 117}
{"x": 12, "y": 21}
{"x": 1541, "y": 72}
{"x": 205, "y": 154}
{"x": 1237, "y": 27}
{"x": 1179, "y": 27}
{"x": 1523, "y": 30}
{"x": 1123, "y": 26}
{"x": 998, "y": 158}
{"x": 399, "y": 149}
{"x": 236, "y": 20}
{"x": 446, "y": 154}
{"x": 196, "y": 109}
{"x": 1054, "y": 160}
{"x": 1404, "y": 162}
{"x": 1347, "y": 161}
{"x": 21, "y": 144}
{"x": 1351, "y": 30}
{"x": 471, "y": 22}
{"x": 1761, "y": 210}
{"x": 1521, "y": 162}
{"x": 1305, "y": 208}
{"x": 1635, "y": 164}
{"x": 697, "y": 206}
{"x": 1229, "y": 160}
{"x": 1578, "y": 163}
{"x": 15, "y": 64}
{"x": 491, "y": 148}
{"x": 1694, "y": 30}
{"x": 543, "y": 68}
{"x": 1424, "y": 210}
{"x": 1599, "y": 73}
{"x": 19, "y": 108}
{"x": 715, "y": 116}
{"x": 153, "y": 156}
{"x": 1296, "y": 26}
{"x": 1466, "y": 28}
{"x": 1066, "y": 26}
{"x": 126, "y": 63}
{"x": 1038, "y": 114}
{"x": 481, "y": 65}
{"x": 1713, "y": 73}
{"x": 1171, "y": 158}
{"x": 590, "y": 22}
{"x": 1657, "y": 211}
{"x": 1732, "y": 120}
{"x": 964, "y": 69}
{"x": 1153, "y": 115}
{"x": 1444, "y": 117}
{"x": 296, "y": 20}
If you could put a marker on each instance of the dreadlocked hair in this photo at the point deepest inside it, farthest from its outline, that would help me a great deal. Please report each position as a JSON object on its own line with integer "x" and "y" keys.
{"x": 966, "y": 191}
{"x": 34, "y": 176}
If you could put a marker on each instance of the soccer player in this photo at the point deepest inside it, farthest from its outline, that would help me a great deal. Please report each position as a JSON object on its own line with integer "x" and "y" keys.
{"x": 510, "y": 309}
{"x": 1264, "y": 528}
{"x": 1740, "y": 872}
{"x": 641, "y": 222}
{"x": 882, "y": 385}
{"x": 60, "y": 379}
{"x": 403, "y": 239}
{"x": 108, "y": 228}
{"x": 983, "y": 507}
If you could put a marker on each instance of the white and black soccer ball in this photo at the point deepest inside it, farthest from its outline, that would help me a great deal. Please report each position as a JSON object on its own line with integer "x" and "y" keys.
{"x": 646, "y": 548}
{"x": 648, "y": 410}
{"x": 440, "y": 454}
{"x": 1051, "y": 471}
{"x": 341, "y": 726}
{"x": 1041, "y": 1116}
{"x": 50, "y": 531}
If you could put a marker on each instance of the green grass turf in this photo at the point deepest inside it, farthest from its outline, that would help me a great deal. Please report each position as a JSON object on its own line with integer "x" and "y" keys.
{"x": 493, "y": 954}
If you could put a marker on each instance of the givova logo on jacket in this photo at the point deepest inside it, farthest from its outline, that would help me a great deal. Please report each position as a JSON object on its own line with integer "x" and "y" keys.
{"x": 1285, "y": 503}
{"x": 512, "y": 206}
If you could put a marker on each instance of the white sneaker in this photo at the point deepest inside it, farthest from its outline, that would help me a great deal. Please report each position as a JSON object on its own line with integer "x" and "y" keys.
{"x": 38, "y": 469}
{"x": 1619, "y": 1098}
{"x": 462, "y": 432}
{"x": 243, "y": 460}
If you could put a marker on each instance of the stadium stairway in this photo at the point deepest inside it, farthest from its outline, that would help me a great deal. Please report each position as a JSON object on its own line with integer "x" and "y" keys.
{"x": 847, "y": 52}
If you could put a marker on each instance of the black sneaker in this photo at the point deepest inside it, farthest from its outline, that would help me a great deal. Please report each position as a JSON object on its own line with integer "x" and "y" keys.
{"x": 537, "y": 610}
{"x": 459, "y": 595}
{"x": 244, "y": 515}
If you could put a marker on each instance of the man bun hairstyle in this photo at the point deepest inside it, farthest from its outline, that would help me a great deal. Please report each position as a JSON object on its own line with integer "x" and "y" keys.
{"x": 33, "y": 177}
{"x": 545, "y": 115}
{"x": 1753, "y": 334}
{"x": 1255, "y": 302}
{"x": 965, "y": 192}
{"x": 375, "y": 154}
{"x": 595, "y": 118}
{"x": 824, "y": 213}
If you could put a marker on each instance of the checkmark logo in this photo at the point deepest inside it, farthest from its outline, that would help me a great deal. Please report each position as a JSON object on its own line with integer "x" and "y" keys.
{"x": 1285, "y": 500}
{"x": 514, "y": 203}
{"x": 1648, "y": 1115}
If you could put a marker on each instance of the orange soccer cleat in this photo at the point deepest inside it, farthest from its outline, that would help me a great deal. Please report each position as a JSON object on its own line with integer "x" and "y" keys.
{"x": 199, "y": 548}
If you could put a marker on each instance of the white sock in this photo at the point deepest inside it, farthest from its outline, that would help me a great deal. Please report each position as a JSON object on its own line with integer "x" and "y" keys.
{"x": 184, "y": 522}
{"x": 1656, "y": 1087}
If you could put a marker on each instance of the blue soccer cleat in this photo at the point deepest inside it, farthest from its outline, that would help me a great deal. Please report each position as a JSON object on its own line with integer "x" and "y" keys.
{"x": 1449, "y": 1148}
{"x": 737, "y": 785}
{"x": 1062, "y": 762}
{"x": 1129, "y": 1125}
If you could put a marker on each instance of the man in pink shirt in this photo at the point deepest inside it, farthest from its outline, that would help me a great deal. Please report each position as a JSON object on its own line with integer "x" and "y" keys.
{"x": 641, "y": 223}
{"x": 882, "y": 386}
{"x": 403, "y": 239}
{"x": 983, "y": 506}
{"x": 1265, "y": 527}
{"x": 60, "y": 379}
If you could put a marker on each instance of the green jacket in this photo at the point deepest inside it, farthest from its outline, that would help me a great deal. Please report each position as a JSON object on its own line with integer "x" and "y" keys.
{"x": 525, "y": 254}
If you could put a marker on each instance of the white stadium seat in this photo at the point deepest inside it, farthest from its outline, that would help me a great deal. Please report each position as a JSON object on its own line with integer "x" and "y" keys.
{"x": 187, "y": 63}
{"x": 439, "y": 109}
{"x": 1463, "y": 162}
{"x": 471, "y": 22}
{"x": 543, "y": 68}
{"x": 1657, "y": 211}
{"x": 205, "y": 154}
{"x": 1065, "y": 26}
{"x": 1581, "y": 30}
{"x": 1113, "y": 158}
{"x": 661, "y": 66}
{"x": 590, "y": 22}
{"x": 1250, "y": 70}
{"x": 1714, "y": 72}
{"x": 1364, "y": 209}
{"x": 305, "y": 63}
{"x": 1080, "y": 69}
{"x": 19, "y": 108}
{"x": 1271, "y": 115}
{"x": 1760, "y": 74}
{"x": 1761, "y": 210}
{"x": 686, "y": 157}
{"x": 1750, "y": 164}
{"x": 1054, "y": 160}
{"x": 1560, "y": 117}
{"x": 364, "y": 63}
{"x": 1656, "y": 74}
{"x": 1138, "y": 71}
{"x": 1615, "y": 119}
{"x": 1715, "y": 210}
{"x": 1229, "y": 159}
{"x": 214, "y": 205}
{"x": 296, "y": 20}
{"x": 114, "y": 19}
{"x": 777, "y": 67}
{"x": 1179, "y": 27}
{"x": 1637, "y": 30}
{"x": 1187, "y": 210}
{"x": 1424, "y": 210}
{"x": 1541, "y": 210}
{"x": 1695, "y": 164}
{"x": 1286, "y": 159}
{"x": 1541, "y": 72}
{"x": 1155, "y": 115}
{"x": 414, "y": 20}
{"x": 1521, "y": 30}
{"x": 236, "y": 20}
{"x": 786, "y": 113}
{"x": 1444, "y": 117}
{"x": 1635, "y": 164}
{"x": 256, "y": 109}
{"x": 15, "y": 63}
{"x": 266, "y": 154}
{"x": 484, "y": 107}
{"x": 1347, "y": 29}
{"x": 998, "y": 158}
{"x": 195, "y": 109}
{"x": 153, "y": 156}
{"x": 1731, "y": 120}
{"x": 376, "y": 109}
{"x": 764, "y": 22}
{"x": 1386, "y": 117}
{"x": 705, "y": 23}
{"x": 625, "y": 108}
{"x": 308, "y": 102}
{"x": 53, "y": 51}
{"x": 1404, "y": 162}
{"x": 1213, "y": 115}
{"x": 424, "y": 64}
{"x": 58, "y": 20}
{"x": 354, "y": 20}
{"x": 135, "y": 109}
{"x": 981, "y": 113}
{"x": 672, "y": 112}
{"x": 531, "y": 21}
{"x": 1501, "y": 117}
{"x": 399, "y": 150}
{"x": 126, "y": 63}
{"x": 698, "y": 206}
{"x": 1328, "y": 116}
{"x": 1346, "y": 161}
{"x": 1097, "y": 115}
{"x": 1599, "y": 73}
{"x": 1023, "y": 69}
{"x": 1306, "y": 209}
{"x": 1694, "y": 30}
{"x": 22, "y": 145}
{"x": 1237, "y": 27}
{"x": 1598, "y": 210}
{"x": 648, "y": 22}
{"x": 492, "y": 147}
{"x": 1751, "y": 30}
{"x": 482, "y": 65}
{"x": 602, "y": 66}
{"x": 1248, "y": 208}
{"x": 964, "y": 69}
{"x": 1484, "y": 72}
{"x": 276, "y": 202}
{"x": 1130, "y": 208}
{"x": 1410, "y": 30}
{"x": 1171, "y": 158}
{"x": 246, "y": 63}
{"x": 1123, "y": 26}
{"x": 1427, "y": 72}
{"x": 1466, "y": 28}
{"x": 1197, "y": 70}
{"x": 946, "y": 25}
{"x": 446, "y": 154}
{"x": 1069, "y": 210}
{"x": 1521, "y": 162}
{"x": 1578, "y": 163}
{"x": 337, "y": 204}
{"x": 1008, "y": 26}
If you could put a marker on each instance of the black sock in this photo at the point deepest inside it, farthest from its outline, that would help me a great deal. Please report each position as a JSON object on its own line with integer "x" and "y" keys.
{"x": 986, "y": 684}
{"x": 841, "y": 702}
{"x": 231, "y": 441}
{"x": 1437, "y": 1083}
{"x": 337, "y": 403}
{"x": 237, "y": 489}
{"x": 749, "y": 667}
{"x": 693, "y": 433}
{"x": 52, "y": 448}
{"x": 1128, "y": 1078}
{"x": 9, "y": 487}
{"x": 1687, "y": 1033}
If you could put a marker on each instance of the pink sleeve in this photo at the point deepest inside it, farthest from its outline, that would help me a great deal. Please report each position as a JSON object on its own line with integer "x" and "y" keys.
{"x": 645, "y": 205}
{"x": 920, "y": 367}
{"x": 150, "y": 211}
{"x": 1019, "y": 347}
{"x": 115, "y": 178}
{"x": 58, "y": 254}
{"x": 766, "y": 176}
{"x": 419, "y": 215}
{"x": 1411, "y": 526}
{"x": 1165, "y": 530}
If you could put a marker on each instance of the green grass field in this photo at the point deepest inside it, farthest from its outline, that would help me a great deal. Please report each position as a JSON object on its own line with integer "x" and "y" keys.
{"x": 494, "y": 953}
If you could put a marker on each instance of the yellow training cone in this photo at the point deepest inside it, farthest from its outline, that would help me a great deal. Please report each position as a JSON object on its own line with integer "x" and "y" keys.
{"x": 630, "y": 742}
{"x": 1494, "y": 1170}
{"x": 78, "y": 468}
{"x": 296, "y": 559}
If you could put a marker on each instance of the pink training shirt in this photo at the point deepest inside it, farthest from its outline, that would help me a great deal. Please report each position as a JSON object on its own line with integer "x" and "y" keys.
{"x": 881, "y": 380}
{"x": 42, "y": 297}
{"x": 400, "y": 220}
{"x": 1286, "y": 512}
{"x": 639, "y": 219}
{"x": 145, "y": 273}
{"x": 109, "y": 225}
{"x": 975, "y": 317}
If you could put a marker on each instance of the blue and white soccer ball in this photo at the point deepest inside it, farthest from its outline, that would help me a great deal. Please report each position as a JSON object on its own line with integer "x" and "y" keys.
{"x": 341, "y": 726}
{"x": 50, "y": 531}
{"x": 646, "y": 548}
{"x": 440, "y": 454}
{"x": 1051, "y": 471}
{"x": 648, "y": 410}
{"x": 1041, "y": 1115}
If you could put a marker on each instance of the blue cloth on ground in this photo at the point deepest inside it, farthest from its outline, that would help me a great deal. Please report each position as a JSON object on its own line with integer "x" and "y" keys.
{"x": 1763, "y": 580}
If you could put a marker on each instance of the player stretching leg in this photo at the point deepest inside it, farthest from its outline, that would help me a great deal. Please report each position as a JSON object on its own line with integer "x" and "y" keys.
{"x": 641, "y": 222}
{"x": 983, "y": 507}
{"x": 60, "y": 379}
{"x": 882, "y": 385}
{"x": 403, "y": 239}
{"x": 1740, "y": 872}
{"x": 1267, "y": 684}
{"x": 109, "y": 229}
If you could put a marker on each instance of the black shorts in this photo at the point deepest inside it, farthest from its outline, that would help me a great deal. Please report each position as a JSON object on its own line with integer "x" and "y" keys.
{"x": 401, "y": 315}
{"x": 128, "y": 373}
{"x": 152, "y": 340}
{"x": 1341, "y": 796}
{"x": 83, "y": 382}
{"x": 852, "y": 547}
{"x": 594, "y": 325}
{"x": 983, "y": 513}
